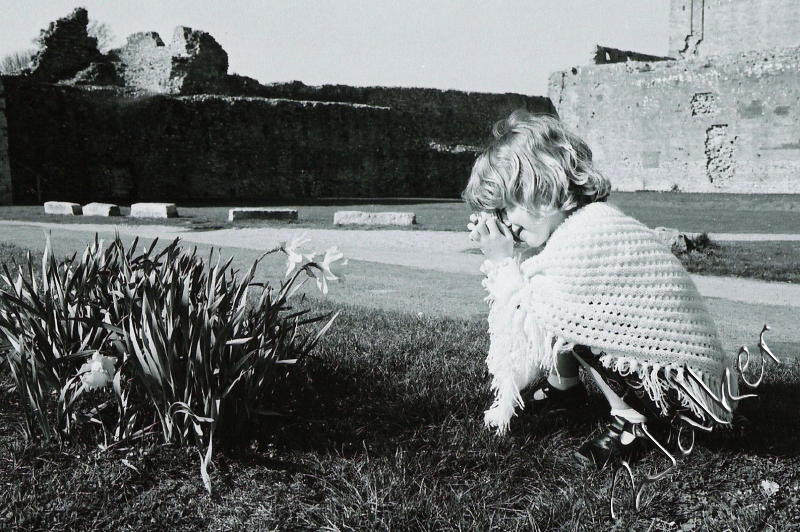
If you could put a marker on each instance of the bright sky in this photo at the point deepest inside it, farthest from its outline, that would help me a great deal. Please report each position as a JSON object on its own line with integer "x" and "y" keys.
{"x": 476, "y": 45}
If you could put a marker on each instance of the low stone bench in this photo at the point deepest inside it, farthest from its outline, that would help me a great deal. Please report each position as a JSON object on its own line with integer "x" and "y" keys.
{"x": 261, "y": 213}
{"x": 101, "y": 209}
{"x": 62, "y": 207}
{"x": 154, "y": 210}
{"x": 374, "y": 218}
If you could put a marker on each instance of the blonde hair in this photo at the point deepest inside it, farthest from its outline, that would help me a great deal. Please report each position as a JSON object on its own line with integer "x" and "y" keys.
{"x": 535, "y": 163}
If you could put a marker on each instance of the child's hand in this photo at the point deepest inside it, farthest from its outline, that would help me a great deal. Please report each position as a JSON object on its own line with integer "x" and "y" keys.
{"x": 494, "y": 239}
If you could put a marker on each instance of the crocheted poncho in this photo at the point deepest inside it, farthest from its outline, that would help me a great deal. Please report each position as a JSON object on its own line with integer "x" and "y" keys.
{"x": 605, "y": 281}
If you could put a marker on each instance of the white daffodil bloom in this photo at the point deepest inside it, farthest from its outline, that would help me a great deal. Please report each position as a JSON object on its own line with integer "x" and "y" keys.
{"x": 330, "y": 268}
{"x": 770, "y": 487}
{"x": 294, "y": 255}
{"x": 97, "y": 372}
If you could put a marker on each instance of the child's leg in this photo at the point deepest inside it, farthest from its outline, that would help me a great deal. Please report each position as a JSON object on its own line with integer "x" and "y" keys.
{"x": 565, "y": 373}
{"x": 620, "y": 438}
{"x": 561, "y": 390}
{"x": 618, "y": 406}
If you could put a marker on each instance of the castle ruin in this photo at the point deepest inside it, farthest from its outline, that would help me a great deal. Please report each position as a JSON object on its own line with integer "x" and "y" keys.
{"x": 723, "y": 116}
{"x": 155, "y": 121}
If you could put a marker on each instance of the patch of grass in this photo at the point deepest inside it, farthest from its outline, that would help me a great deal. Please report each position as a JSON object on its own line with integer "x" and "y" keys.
{"x": 11, "y": 254}
{"x": 388, "y": 435}
{"x": 716, "y": 213}
{"x": 769, "y": 261}
{"x": 432, "y": 293}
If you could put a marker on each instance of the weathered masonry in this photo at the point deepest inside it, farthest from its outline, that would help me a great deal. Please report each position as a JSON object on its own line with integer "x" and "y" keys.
{"x": 152, "y": 121}
{"x": 716, "y": 27}
{"x": 723, "y": 117}
{"x": 5, "y": 171}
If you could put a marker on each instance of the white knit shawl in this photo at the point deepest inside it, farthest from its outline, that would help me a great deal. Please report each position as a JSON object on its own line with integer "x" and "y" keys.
{"x": 605, "y": 281}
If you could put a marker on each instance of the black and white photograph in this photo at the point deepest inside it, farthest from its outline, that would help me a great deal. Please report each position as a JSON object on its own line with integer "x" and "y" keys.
{"x": 415, "y": 265}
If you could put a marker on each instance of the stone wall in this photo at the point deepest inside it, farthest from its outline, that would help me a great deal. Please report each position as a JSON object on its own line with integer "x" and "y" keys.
{"x": 715, "y": 27}
{"x": 193, "y": 63}
{"x": 65, "y": 48}
{"x": 102, "y": 145}
{"x": 447, "y": 116}
{"x": 604, "y": 55}
{"x": 5, "y": 171}
{"x": 156, "y": 121}
{"x": 717, "y": 124}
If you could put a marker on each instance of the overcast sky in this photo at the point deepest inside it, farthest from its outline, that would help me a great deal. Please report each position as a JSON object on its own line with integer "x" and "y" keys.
{"x": 488, "y": 46}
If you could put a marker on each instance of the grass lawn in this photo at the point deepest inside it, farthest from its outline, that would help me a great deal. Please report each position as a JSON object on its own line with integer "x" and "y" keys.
{"x": 714, "y": 213}
{"x": 769, "y": 261}
{"x": 431, "y": 293}
{"x": 383, "y": 431}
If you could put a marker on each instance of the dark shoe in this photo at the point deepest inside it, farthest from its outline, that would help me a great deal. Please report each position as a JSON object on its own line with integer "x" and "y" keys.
{"x": 556, "y": 400}
{"x": 608, "y": 448}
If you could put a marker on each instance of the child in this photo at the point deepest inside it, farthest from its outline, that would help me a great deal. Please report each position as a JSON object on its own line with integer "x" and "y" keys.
{"x": 604, "y": 294}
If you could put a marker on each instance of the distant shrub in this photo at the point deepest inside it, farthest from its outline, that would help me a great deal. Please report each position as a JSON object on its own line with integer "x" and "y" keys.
{"x": 176, "y": 341}
{"x": 700, "y": 242}
{"x": 16, "y": 62}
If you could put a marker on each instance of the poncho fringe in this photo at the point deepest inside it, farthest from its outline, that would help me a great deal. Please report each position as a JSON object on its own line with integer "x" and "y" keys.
{"x": 606, "y": 282}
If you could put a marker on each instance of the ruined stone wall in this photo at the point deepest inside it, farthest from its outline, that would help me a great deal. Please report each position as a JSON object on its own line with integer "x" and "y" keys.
{"x": 146, "y": 62}
{"x": 718, "y": 124}
{"x": 715, "y": 27}
{"x": 193, "y": 63}
{"x": 448, "y": 116}
{"x": 65, "y": 48}
{"x": 151, "y": 121}
{"x": 96, "y": 145}
{"x": 5, "y": 170}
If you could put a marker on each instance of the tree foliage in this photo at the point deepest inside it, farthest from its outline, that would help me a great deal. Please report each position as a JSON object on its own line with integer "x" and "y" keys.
{"x": 103, "y": 33}
{"x": 16, "y": 61}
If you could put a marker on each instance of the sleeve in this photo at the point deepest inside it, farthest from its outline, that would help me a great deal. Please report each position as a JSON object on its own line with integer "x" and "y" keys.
{"x": 502, "y": 280}
{"x": 519, "y": 347}
{"x": 506, "y": 359}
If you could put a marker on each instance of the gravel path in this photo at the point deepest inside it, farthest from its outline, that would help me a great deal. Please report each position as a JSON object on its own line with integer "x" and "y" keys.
{"x": 753, "y": 237}
{"x": 444, "y": 251}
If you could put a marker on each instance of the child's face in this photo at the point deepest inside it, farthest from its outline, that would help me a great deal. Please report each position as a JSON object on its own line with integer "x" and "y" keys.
{"x": 531, "y": 228}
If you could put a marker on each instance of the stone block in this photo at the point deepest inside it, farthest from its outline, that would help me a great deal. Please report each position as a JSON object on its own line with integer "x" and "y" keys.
{"x": 261, "y": 213}
{"x": 101, "y": 209}
{"x": 62, "y": 207}
{"x": 154, "y": 210}
{"x": 374, "y": 218}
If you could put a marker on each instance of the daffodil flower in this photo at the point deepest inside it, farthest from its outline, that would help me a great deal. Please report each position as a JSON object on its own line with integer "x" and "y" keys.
{"x": 97, "y": 372}
{"x": 294, "y": 255}
{"x": 770, "y": 487}
{"x": 330, "y": 268}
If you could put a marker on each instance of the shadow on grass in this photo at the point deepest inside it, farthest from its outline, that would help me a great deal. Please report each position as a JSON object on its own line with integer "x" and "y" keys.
{"x": 770, "y": 419}
{"x": 387, "y": 416}
{"x": 384, "y": 378}
{"x": 367, "y": 392}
